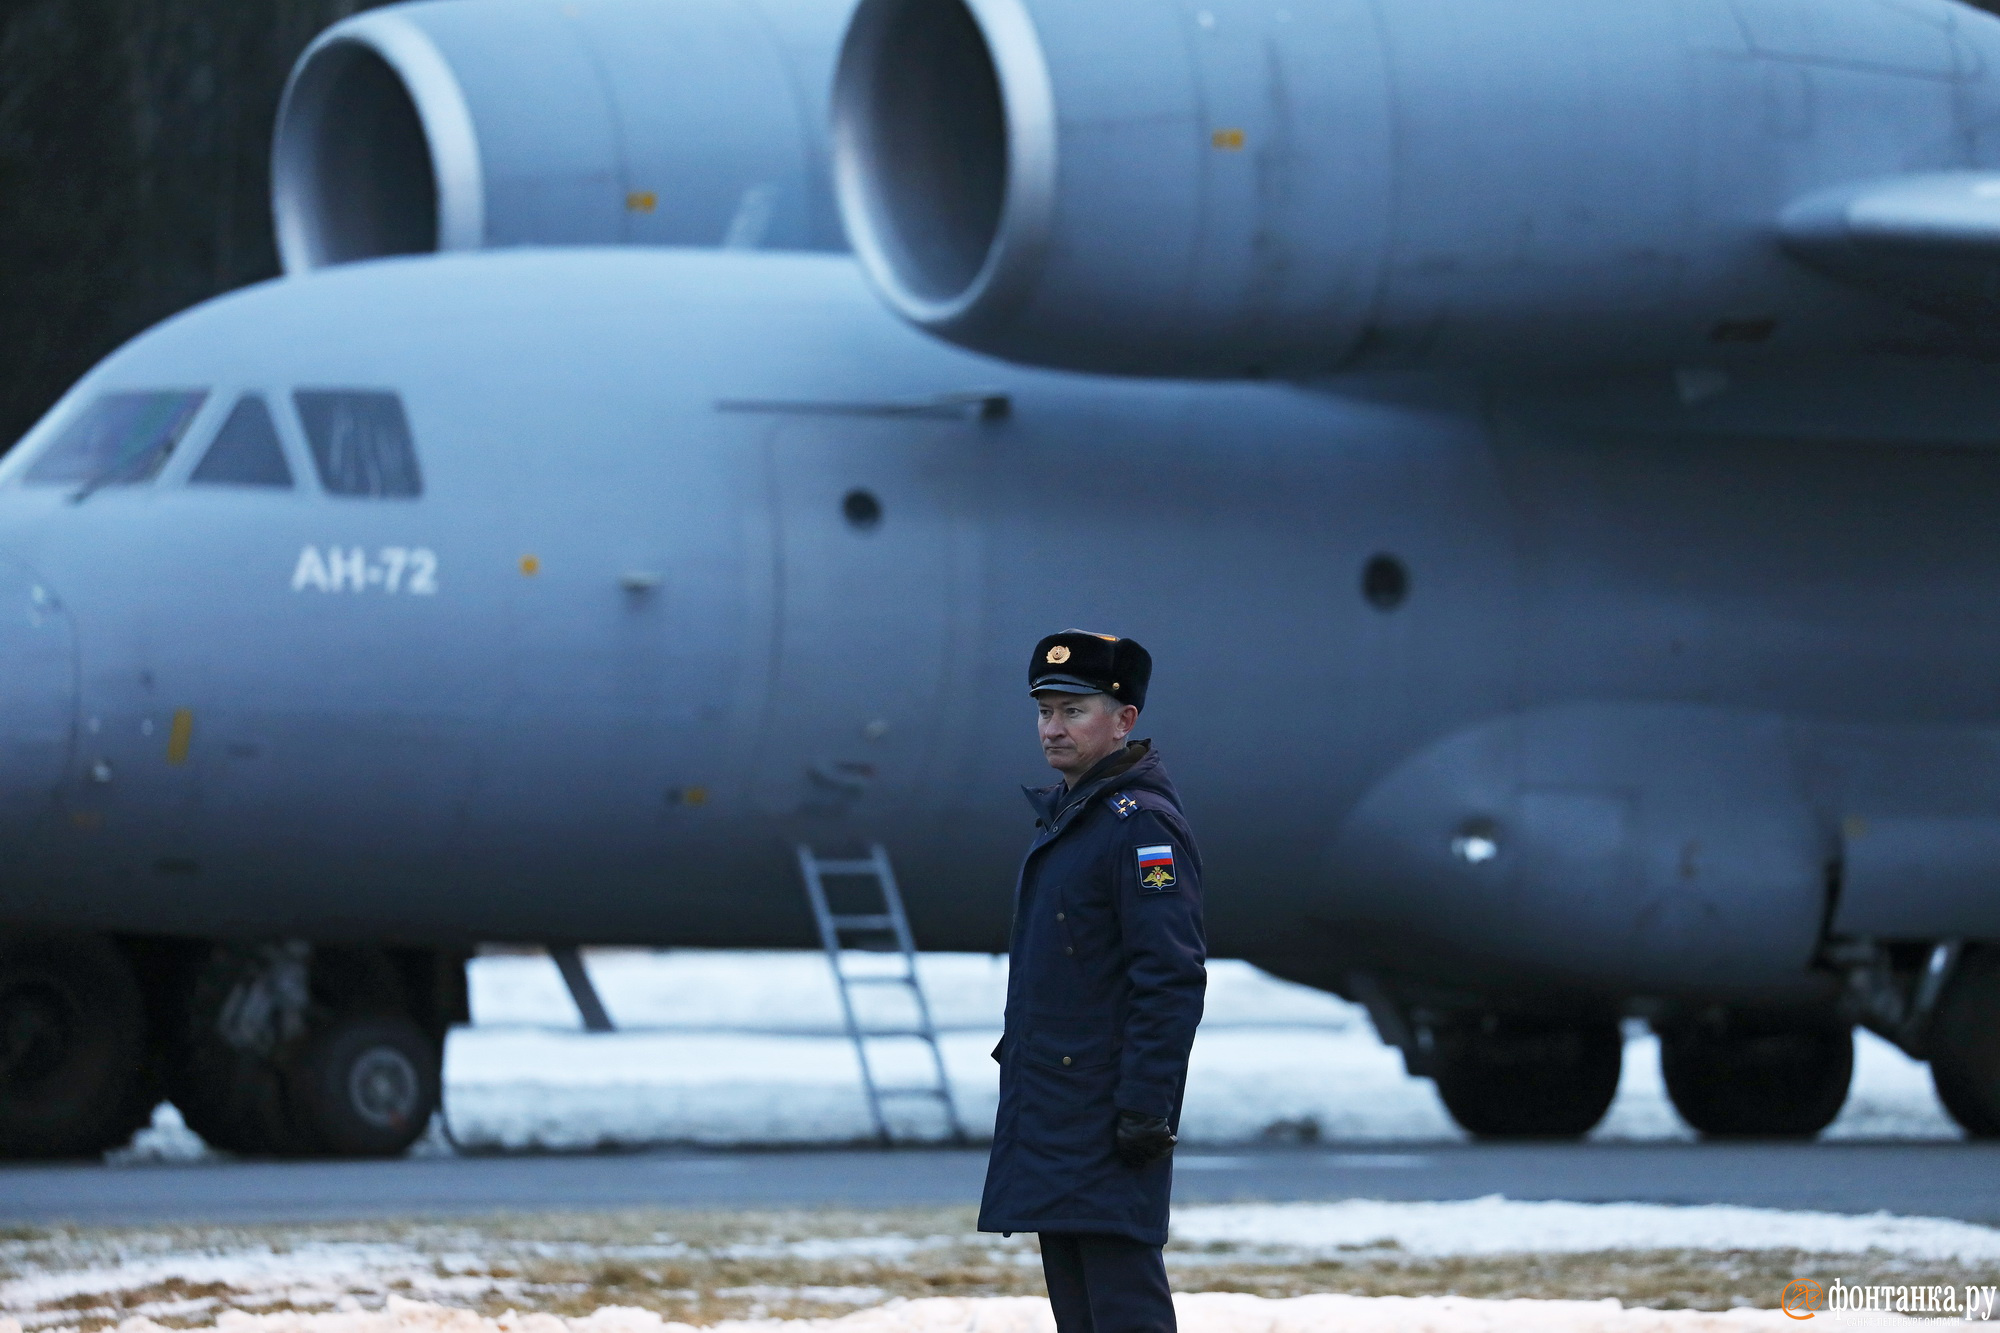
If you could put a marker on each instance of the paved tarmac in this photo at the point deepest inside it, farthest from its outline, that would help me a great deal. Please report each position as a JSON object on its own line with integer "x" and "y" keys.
{"x": 1959, "y": 1180}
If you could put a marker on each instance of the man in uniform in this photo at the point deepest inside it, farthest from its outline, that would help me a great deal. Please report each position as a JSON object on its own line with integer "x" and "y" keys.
{"x": 1103, "y": 996}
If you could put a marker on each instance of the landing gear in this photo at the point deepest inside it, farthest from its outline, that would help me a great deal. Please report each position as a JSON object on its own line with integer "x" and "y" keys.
{"x": 245, "y": 1015}
{"x": 74, "y": 1074}
{"x": 269, "y": 1050}
{"x": 1743, "y": 1078}
{"x": 292, "y": 1051}
{"x": 1965, "y": 1045}
{"x": 1507, "y": 1078}
{"x": 366, "y": 1087}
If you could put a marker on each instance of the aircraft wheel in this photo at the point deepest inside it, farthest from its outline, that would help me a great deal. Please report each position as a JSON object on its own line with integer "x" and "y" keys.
{"x": 1517, "y": 1078}
{"x": 227, "y": 1077}
{"x": 72, "y": 1046}
{"x": 1758, "y": 1081}
{"x": 1965, "y": 1046}
{"x": 236, "y": 1102}
{"x": 367, "y": 1085}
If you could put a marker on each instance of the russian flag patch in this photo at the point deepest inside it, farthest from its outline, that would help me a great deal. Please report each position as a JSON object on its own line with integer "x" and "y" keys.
{"x": 1156, "y": 869}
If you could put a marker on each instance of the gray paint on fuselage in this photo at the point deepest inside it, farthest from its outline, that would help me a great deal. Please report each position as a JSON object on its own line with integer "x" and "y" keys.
{"x": 1665, "y": 668}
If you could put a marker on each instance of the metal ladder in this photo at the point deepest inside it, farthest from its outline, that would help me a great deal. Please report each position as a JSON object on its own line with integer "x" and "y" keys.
{"x": 890, "y": 921}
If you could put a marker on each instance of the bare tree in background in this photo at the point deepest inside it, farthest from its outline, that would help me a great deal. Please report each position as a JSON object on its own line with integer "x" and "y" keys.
{"x": 134, "y": 167}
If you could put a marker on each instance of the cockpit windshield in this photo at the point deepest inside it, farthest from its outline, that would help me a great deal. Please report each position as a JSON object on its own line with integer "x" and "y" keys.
{"x": 246, "y": 451}
{"x": 121, "y": 439}
{"x": 360, "y": 442}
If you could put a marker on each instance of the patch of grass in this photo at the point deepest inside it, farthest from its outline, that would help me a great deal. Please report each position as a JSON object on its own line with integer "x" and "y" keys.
{"x": 704, "y": 1266}
{"x": 1661, "y": 1279}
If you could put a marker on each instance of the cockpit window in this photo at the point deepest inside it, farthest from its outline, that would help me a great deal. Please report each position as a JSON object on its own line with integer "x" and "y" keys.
{"x": 120, "y": 440}
{"x": 246, "y": 451}
{"x": 360, "y": 442}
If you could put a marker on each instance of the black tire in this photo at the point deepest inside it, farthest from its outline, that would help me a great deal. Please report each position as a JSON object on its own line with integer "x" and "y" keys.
{"x": 234, "y": 1099}
{"x": 366, "y": 1086}
{"x": 1965, "y": 1046}
{"x": 1527, "y": 1079}
{"x": 1758, "y": 1080}
{"x": 238, "y": 1103}
{"x": 147, "y": 1091}
{"x": 73, "y": 1064}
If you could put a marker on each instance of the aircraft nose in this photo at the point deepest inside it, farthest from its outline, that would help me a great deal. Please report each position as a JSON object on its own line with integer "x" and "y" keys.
{"x": 37, "y": 694}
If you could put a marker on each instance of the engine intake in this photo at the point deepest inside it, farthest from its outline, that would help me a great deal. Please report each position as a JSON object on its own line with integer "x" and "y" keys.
{"x": 930, "y": 156}
{"x": 462, "y": 124}
{"x": 1246, "y": 187}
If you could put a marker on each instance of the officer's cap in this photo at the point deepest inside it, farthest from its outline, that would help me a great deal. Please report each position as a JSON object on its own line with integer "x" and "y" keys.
{"x": 1079, "y": 662}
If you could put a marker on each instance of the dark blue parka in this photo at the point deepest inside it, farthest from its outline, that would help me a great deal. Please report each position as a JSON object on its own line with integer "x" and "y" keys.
{"x": 1104, "y": 991}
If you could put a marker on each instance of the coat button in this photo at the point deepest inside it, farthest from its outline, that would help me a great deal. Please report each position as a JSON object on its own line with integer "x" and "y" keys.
{"x": 1065, "y": 1059}
{"x": 1067, "y": 948}
{"x": 1061, "y": 917}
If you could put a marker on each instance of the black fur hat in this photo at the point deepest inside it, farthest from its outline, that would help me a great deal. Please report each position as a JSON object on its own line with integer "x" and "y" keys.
{"x": 1079, "y": 662}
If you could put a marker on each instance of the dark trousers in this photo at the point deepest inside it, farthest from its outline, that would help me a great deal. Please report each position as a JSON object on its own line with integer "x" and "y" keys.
{"x": 1106, "y": 1284}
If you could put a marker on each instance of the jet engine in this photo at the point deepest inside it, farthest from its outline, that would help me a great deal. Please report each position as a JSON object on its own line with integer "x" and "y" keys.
{"x": 1245, "y": 187}
{"x": 461, "y": 124}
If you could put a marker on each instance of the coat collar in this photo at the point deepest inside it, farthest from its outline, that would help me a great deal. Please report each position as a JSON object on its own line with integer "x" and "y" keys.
{"x": 1055, "y": 805}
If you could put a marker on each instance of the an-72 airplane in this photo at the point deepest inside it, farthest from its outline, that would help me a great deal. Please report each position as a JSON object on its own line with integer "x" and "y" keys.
{"x": 1548, "y": 448}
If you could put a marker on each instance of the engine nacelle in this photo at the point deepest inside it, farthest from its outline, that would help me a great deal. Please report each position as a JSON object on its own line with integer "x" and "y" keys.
{"x": 1235, "y": 187}
{"x": 461, "y": 124}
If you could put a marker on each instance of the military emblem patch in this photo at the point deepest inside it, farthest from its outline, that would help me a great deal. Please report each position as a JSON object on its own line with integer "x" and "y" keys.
{"x": 1156, "y": 869}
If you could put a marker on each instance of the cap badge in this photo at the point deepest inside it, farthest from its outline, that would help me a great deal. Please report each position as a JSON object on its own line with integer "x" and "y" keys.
{"x": 1058, "y": 655}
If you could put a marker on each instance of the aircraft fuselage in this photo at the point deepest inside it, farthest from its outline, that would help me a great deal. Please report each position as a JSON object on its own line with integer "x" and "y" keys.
{"x": 712, "y": 558}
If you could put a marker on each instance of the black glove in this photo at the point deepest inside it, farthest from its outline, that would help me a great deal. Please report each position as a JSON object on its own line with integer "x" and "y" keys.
{"x": 1143, "y": 1139}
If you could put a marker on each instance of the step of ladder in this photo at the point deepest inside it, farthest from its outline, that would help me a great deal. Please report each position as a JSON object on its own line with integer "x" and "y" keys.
{"x": 893, "y": 921}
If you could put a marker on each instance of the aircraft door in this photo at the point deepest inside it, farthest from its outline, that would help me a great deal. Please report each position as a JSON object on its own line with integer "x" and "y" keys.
{"x": 37, "y": 704}
{"x": 874, "y": 574}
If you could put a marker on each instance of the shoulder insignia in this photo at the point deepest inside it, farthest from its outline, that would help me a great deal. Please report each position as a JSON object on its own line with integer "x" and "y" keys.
{"x": 1156, "y": 868}
{"x": 1123, "y": 805}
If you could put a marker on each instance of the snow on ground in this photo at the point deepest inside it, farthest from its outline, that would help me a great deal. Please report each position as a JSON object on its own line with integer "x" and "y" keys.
{"x": 792, "y": 991}
{"x": 1506, "y": 1226}
{"x": 319, "y": 1271}
{"x": 1206, "y": 1312}
{"x": 1534, "y": 1259}
{"x": 304, "y": 1275}
{"x": 721, "y": 1047}
{"x": 748, "y": 1047}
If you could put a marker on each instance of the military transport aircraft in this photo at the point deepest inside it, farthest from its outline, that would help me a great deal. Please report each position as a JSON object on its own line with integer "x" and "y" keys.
{"x": 1550, "y": 449}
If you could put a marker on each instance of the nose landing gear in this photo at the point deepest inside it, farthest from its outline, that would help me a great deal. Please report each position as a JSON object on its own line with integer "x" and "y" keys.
{"x": 366, "y": 1087}
{"x": 242, "y": 1013}
{"x": 294, "y": 1051}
